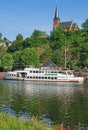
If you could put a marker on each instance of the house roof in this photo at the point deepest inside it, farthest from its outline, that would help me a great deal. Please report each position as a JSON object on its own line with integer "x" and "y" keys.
{"x": 68, "y": 24}
{"x": 49, "y": 64}
{"x": 75, "y": 25}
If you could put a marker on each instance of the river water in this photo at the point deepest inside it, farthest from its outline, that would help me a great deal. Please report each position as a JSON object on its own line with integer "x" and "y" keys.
{"x": 52, "y": 102}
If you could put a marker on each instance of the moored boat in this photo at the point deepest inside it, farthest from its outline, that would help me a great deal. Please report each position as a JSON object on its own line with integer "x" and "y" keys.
{"x": 43, "y": 75}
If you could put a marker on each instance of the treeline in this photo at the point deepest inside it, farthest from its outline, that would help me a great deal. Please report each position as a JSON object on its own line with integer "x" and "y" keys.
{"x": 40, "y": 47}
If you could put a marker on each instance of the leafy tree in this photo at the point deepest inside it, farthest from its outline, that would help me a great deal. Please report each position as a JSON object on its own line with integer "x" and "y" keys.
{"x": 30, "y": 57}
{"x": 83, "y": 61}
{"x": 46, "y": 55}
{"x": 7, "y": 61}
{"x": 56, "y": 58}
{"x": 38, "y": 38}
{"x": 19, "y": 38}
{"x": 17, "y": 60}
{"x": 26, "y": 43}
{"x": 57, "y": 38}
{"x": 85, "y": 24}
{"x": 2, "y": 51}
{"x": 17, "y": 44}
{"x": 0, "y": 36}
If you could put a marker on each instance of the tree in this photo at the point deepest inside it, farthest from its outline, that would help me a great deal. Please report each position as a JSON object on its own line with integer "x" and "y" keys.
{"x": 30, "y": 57}
{"x": 57, "y": 38}
{"x": 26, "y": 43}
{"x": 0, "y": 36}
{"x": 17, "y": 60}
{"x": 58, "y": 57}
{"x": 38, "y": 38}
{"x": 19, "y": 38}
{"x": 46, "y": 55}
{"x": 17, "y": 44}
{"x": 7, "y": 61}
{"x": 83, "y": 61}
{"x": 85, "y": 24}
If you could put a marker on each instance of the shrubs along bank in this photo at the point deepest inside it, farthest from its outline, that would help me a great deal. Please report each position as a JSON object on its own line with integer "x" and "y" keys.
{"x": 8, "y": 122}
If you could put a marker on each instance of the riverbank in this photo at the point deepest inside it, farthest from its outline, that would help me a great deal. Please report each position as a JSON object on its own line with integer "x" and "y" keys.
{"x": 8, "y": 122}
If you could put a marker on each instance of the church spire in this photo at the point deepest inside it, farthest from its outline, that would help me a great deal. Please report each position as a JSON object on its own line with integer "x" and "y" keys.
{"x": 56, "y": 20}
{"x": 56, "y": 12}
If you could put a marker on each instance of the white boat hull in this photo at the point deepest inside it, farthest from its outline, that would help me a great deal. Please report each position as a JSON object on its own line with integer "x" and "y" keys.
{"x": 75, "y": 79}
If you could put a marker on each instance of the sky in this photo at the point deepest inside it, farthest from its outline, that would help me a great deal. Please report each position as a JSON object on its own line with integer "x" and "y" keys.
{"x": 24, "y": 16}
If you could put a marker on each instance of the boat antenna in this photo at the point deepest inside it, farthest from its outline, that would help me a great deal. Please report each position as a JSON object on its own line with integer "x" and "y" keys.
{"x": 65, "y": 52}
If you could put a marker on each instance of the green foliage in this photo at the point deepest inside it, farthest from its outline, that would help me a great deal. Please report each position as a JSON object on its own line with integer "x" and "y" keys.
{"x": 7, "y": 61}
{"x": 0, "y": 36}
{"x": 26, "y": 43}
{"x": 38, "y": 38}
{"x": 8, "y": 122}
{"x": 17, "y": 44}
{"x": 46, "y": 55}
{"x": 85, "y": 24}
{"x": 57, "y": 38}
{"x": 19, "y": 38}
{"x": 15, "y": 47}
{"x": 58, "y": 57}
{"x": 30, "y": 57}
{"x": 2, "y": 51}
{"x": 17, "y": 60}
{"x": 83, "y": 56}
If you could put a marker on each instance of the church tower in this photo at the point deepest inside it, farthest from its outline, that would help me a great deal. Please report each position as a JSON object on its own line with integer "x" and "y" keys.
{"x": 56, "y": 20}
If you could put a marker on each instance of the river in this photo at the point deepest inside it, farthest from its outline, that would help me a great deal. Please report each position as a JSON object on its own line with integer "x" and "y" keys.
{"x": 52, "y": 102}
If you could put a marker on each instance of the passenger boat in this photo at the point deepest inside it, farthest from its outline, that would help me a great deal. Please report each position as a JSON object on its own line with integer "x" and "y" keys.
{"x": 43, "y": 74}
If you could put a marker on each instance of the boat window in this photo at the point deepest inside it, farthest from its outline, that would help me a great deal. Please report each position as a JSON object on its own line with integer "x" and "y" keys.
{"x": 63, "y": 72}
{"x": 70, "y": 73}
{"x": 30, "y": 71}
{"x": 60, "y": 72}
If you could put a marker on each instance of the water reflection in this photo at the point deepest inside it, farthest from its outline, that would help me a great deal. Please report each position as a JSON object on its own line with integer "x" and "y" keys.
{"x": 50, "y": 100}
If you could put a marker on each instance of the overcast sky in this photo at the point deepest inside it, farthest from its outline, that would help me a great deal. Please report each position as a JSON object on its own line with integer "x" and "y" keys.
{"x": 23, "y": 16}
